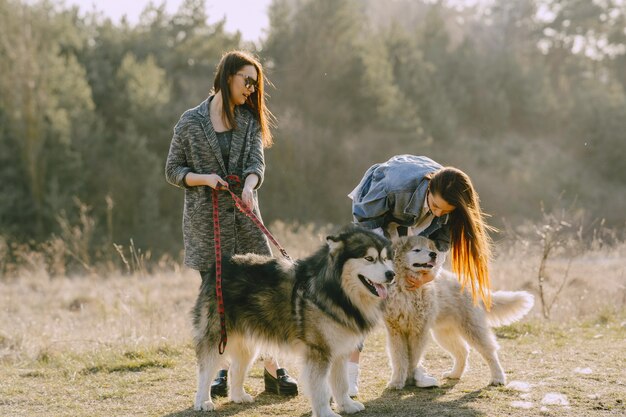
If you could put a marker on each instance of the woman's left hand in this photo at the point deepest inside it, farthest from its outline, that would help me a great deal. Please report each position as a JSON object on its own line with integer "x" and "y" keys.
{"x": 247, "y": 195}
{"x": 414, "y": 282}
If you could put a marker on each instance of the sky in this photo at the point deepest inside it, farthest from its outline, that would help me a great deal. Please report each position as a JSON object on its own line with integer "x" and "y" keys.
{"x": 247, "y": 16}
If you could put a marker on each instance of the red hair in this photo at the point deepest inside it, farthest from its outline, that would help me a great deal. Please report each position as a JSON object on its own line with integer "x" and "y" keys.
{"x": 470, "y": 242}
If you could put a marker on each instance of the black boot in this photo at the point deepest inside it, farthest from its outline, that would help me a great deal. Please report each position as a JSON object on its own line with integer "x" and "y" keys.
{"x": 219, "y": 386}
{"x": 283, "y": 384}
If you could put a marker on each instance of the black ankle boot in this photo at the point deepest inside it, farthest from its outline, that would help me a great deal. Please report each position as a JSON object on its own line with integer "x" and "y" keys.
{"x": 283, "y": 384}
{"x": 219, "y": 386}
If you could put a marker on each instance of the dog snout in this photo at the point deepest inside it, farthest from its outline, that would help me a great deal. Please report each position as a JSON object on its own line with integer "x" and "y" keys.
{"x": 433, "y": 255}
{"x": 389, "y": 275}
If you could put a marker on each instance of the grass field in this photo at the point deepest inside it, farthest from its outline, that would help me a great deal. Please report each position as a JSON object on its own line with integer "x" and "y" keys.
{"x": 119, "y": 345}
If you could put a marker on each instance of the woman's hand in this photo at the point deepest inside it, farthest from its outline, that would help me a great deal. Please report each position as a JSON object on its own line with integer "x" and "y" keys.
{"x": 212, "y": 180}
{"x": 413, "y": 282}
{"x": 247, "y": 195}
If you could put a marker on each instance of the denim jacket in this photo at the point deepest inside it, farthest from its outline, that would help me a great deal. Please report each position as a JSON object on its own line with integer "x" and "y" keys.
{"x": 394, "y": 191}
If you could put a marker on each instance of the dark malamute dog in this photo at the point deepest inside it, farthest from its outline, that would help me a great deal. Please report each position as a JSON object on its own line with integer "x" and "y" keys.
{"x": 442, "y": 307}
{"x": 321, "y": 307}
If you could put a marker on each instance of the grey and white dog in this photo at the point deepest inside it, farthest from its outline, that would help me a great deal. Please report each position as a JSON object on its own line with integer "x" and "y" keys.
{"x": 319, "y": 307}
{"x": 442, "y": 307}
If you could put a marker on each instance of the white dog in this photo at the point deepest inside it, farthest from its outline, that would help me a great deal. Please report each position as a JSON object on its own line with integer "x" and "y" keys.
{"x": 442, "y": 307}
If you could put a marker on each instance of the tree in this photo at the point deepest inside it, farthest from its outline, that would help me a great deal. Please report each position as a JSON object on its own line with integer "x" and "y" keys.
{"x": 46, "y": 92}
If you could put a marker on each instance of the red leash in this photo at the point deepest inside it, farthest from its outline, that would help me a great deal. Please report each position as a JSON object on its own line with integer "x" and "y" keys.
{"x": 234, "y": 179}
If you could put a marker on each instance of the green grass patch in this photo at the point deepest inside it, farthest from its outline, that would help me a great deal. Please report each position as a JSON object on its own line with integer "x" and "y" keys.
{"x": 34, "y": 374}
{"x": 516, "y": 330}
{"x": 132, "y": 365}
{"x": 45, "y": 357}
{"x": 135, "y": 361}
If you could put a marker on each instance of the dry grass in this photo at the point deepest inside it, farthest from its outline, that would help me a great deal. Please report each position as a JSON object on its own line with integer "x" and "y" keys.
{"x": 594, "y": 280}
{"x": 119, "y": 345}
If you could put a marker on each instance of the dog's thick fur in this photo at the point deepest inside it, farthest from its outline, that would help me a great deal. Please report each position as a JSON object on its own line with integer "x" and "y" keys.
{"x": 321, "y": 307}
{"x": 442, "y": 307}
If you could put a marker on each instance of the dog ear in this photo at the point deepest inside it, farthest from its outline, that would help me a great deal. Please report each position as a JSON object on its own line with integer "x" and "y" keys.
{"x": 334, "y": 244}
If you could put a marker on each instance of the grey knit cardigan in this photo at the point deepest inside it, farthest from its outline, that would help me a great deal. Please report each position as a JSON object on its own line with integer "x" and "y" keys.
{"x": 195, "y": 148}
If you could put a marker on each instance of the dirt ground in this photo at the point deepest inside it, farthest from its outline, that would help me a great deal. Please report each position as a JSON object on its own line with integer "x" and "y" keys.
{"x": 121, "y": 347}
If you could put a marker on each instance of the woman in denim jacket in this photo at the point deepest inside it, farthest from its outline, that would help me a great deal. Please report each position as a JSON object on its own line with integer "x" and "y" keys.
{"x": 415, "y": 195}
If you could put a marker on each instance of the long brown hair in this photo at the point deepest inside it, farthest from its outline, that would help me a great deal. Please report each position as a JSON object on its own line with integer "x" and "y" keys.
{"x": 230, "y": 63}
{"x": 470, "y": 242}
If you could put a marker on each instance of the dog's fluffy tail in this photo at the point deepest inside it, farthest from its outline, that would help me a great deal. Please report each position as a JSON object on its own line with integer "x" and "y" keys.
{"x": 508, "y": 307}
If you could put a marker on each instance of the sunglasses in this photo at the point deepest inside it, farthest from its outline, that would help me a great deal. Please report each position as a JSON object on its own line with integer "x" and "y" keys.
{"x": 249, "y": 81}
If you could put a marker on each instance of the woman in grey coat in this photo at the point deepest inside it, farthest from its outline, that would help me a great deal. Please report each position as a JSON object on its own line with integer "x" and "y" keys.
{"x": 220, "y": 143}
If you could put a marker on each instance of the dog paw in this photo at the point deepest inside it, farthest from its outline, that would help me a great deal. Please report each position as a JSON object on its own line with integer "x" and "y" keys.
{"x": 326, "y": 413}
{"x": 242, "y": 398}
{"x": 425, "y": 381}
{"x": 395, "y": 384}
{"x": 350, "y": 407}
{"x": 498, "y": 381}
{"x": 204, "y": 406}
{"x": 452, "y": 375}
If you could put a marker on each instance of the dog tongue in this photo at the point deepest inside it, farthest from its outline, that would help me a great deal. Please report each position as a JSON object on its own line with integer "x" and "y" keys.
{"x": 381, "y": 290}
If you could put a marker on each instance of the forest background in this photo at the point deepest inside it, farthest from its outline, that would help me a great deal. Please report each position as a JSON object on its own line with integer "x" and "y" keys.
{"x": 527, "y": 96}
